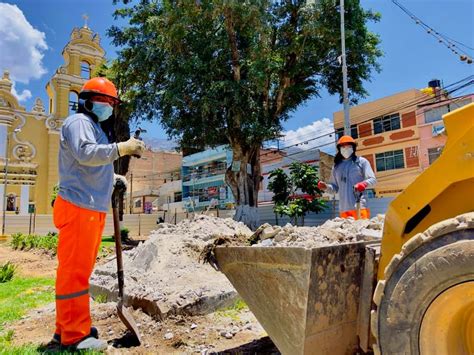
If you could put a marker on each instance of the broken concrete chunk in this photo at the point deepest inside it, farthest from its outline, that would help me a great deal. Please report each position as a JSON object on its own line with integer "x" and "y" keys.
{"x": 281, "y": 236}
{"x": 332, "y": 234}
{"x": 269, "y": 232}
{"x": 369, "y": 234}
{"x": 265, "y": 243}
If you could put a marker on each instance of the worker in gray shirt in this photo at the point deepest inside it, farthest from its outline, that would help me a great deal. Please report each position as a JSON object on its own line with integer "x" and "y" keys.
{"x": 86, "y": 179}
{"x": 350, "y": 176}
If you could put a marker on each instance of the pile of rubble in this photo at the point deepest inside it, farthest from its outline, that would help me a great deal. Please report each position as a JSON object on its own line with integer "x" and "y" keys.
{"x": 163, "y": 275}
{"x": 335, "y": 231}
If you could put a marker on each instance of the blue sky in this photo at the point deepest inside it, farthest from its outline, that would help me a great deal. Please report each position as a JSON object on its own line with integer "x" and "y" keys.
{"x": 411, "y": 56}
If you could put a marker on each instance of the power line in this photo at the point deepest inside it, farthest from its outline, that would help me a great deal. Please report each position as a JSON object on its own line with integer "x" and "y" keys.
{"x": 446, "y": 41}
{"x": 217, "y": 169}
{"x": 388, "y": 110}
{"x": 381, "y": 111}
{"x": 398, "y": 106}
{"x": 325, "y": 144}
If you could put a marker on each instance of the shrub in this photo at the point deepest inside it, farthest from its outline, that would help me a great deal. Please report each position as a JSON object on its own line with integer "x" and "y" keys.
{"x": 26, "y": 241}
{"x": 6, "y": 272}
{"x": 124, "y": 233}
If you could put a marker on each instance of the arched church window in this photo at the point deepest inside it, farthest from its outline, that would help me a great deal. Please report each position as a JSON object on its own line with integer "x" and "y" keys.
{"x": 85, "y": 70}
{"x": 73, "y": 102}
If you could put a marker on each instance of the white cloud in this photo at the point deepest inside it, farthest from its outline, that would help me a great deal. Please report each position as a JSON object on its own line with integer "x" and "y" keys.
{"x": 317, "y": 135}
{"x": 25, "y": 94}
{"x": 21, "y": 47}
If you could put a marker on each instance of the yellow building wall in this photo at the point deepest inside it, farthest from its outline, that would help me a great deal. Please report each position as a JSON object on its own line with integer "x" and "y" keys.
{"x": 40, "y": 128}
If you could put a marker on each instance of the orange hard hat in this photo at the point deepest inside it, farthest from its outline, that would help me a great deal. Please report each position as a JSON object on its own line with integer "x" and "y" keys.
{"x": 100, "y": 86}
{"x": 346, "y": 140}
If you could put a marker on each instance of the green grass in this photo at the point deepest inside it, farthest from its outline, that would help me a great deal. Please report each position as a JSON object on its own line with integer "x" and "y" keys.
{"x": 107, "y": 241}
{"x": 6, "y": 348}
{"x": 233, "y": 311}
{"x": 22, "y": 294}
{"x": 100, "y": 298}
{"x": 17, "y": 297}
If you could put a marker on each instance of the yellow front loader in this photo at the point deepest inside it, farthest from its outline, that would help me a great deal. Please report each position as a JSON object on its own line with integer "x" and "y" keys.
{"x": 411, "y": 293}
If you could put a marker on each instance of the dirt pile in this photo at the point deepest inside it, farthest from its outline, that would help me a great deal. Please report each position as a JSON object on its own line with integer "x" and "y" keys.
{"x": 335, "y": 231}
{"x": 163, "y": 275}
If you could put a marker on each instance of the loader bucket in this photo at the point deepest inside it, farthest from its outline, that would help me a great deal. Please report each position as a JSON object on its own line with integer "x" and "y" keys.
{"x": 305, "y": 299}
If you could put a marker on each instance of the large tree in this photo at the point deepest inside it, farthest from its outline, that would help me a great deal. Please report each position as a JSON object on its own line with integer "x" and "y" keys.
{"x": 223, "y": 71}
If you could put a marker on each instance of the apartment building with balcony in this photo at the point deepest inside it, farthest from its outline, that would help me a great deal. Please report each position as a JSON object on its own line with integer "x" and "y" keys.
{"x": 203, "y": 179}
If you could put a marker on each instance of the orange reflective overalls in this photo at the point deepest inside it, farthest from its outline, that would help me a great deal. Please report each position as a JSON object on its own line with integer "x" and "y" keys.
{"x": 80, "y": 234}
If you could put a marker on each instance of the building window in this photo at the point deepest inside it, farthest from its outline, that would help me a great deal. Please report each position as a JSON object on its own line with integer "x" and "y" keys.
{"x": 386, "y": 123}
{"x": 73, "y": 102}
{"x": 85, "y": 70}
{"x": 390, "y": 160}
{"x": 178, "y": 196}
{"x": 354, "y": 133}
{"x": 436, "y": 114}
{"x": 138, "y": 203}
{"x": 434, "y": 153}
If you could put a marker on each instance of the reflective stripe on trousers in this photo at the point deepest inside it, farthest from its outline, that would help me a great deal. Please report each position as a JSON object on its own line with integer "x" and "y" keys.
{"x": 80, "y": 234}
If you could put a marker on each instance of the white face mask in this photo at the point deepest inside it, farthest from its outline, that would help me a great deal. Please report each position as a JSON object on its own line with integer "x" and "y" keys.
{"x": 102, "y": 110}
{"x": 346, "y": 152}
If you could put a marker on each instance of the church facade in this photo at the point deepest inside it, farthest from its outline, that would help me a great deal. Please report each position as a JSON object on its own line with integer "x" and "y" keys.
{"x": 29, "y": 140}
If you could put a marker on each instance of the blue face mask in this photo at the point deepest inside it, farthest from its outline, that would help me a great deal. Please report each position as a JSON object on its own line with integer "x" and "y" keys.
{"x": 102, "y": 110}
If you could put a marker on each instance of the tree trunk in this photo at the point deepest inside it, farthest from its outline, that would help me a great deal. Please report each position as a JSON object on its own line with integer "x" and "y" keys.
{"x": 244, "y": 181}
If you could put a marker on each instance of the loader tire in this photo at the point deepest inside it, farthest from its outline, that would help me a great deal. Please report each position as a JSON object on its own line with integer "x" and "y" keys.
{"x": 431, "y": 278}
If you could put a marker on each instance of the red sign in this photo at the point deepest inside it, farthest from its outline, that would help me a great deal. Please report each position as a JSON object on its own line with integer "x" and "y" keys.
{"x": 212, "y": 191}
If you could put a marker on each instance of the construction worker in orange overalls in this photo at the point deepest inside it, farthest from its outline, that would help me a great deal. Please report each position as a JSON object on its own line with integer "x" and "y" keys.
{"x": 350, "y": 176}
{"x": 86, "y": 180}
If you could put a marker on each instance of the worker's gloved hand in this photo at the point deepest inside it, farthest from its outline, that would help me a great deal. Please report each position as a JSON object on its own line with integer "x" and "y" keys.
{"x": 133, "y": 147}
{"x": 360, "y": 187}
{"x": 121, "y": 181}
{"x": 322, "y": 185}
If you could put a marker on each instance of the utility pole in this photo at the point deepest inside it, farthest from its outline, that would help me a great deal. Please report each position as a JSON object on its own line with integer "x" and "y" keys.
{"x": 347, "y": 121}
{"x": 131, "y": 193}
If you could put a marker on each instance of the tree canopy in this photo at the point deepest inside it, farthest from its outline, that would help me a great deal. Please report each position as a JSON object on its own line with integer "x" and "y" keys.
{"x": 214, "y": 71}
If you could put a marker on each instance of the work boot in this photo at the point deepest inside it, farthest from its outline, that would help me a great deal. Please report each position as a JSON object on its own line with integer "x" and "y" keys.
{"x": 57, "y": 337}
{"x": 91, "y": 343}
